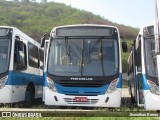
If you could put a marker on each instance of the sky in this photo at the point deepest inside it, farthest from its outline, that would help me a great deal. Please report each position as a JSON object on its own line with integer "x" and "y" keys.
{"x": 135, "y": 13}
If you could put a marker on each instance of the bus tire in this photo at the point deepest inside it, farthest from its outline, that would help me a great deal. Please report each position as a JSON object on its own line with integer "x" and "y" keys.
{"x": 28, "y": 98}
{"x": 132, "y": 97}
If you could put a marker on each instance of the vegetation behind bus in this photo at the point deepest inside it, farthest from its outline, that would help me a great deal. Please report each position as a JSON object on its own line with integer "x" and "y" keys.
{"x": 35, "y": 19}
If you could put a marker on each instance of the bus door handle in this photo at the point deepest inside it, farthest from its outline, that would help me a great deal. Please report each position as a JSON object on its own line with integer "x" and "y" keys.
{"x": 137, "y": 72}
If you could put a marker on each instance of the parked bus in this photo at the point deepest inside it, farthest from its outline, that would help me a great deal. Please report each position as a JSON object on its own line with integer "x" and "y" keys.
{"x": 83, "y": 66}
{"x": 157, "y": 36}
{"x": 142, "y": 71}
{"x": 21, "y": 78}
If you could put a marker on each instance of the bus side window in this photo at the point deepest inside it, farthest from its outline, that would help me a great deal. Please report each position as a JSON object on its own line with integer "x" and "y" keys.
{"x": 41, "y": 56}
{"x": 33, "y": 56}
{"x": 138, "y": 51}
{"x": 20, "y": 57}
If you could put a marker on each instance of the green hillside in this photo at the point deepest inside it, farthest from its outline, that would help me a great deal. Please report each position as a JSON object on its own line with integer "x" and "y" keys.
{"x": 36, "y": 18}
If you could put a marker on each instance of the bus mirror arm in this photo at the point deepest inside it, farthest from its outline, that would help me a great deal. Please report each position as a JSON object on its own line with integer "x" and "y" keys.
{"x": 20, "y": 45}
{"x": 43, "y": 39}
{"x": 124, "y": 45}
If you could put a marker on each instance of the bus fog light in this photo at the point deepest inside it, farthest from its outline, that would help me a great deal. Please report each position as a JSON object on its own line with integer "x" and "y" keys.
{"x": 112, "y": 87}
{"x": 153, "y": 87}
{"x": 51, "y": 85}
{"x": 3, "y": 81}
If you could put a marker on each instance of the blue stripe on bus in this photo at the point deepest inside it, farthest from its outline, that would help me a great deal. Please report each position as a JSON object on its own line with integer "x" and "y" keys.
{"x": 19, "y": 78}
{"x": 83, "y": 90}
{"x": 145, "y": 85}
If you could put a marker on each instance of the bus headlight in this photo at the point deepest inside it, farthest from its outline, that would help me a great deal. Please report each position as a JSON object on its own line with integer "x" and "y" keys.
{"x": 51, "y": 85}
{"x": 153, "y": 87}
{"x": 3, "y": 81}
{"x": 112, "y": 87}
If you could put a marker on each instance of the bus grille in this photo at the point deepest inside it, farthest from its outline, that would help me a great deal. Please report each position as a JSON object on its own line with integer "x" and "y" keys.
{"x": 71, "y": 83}
{"x": 81, "y": 93}
{"x": 89, "y": 101}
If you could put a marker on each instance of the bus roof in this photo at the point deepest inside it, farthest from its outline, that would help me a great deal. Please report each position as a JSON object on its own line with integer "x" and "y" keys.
{"x": 23, "y": 34}
{"x": 84, "y": 30}
{"x": 142, "y": 29}
{"x": 83, "y": 25}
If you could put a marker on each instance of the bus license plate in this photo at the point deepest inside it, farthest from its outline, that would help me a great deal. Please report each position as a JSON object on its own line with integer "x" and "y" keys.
{"x": 81, "y": 99}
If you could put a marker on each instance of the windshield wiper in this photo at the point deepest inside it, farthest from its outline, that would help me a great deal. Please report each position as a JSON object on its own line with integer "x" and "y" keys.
{"x": 101, "y": 56}
{"x": 67, "y": 49}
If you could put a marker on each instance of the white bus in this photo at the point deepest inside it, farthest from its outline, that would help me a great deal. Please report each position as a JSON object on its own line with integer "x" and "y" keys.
{"x": 142, "y": 71}
{"x": 83, "y": 66}
{"x": 157, "y": 36}
{"x": 21, "y": 74}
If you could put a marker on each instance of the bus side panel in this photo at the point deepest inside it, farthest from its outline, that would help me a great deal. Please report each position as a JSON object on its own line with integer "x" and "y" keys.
{"x": 18, "y": 93}
{"x": 38, "y": 86}
{"x": 19, "y": 82}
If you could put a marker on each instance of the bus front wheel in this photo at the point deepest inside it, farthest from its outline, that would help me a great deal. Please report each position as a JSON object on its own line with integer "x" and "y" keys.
{"x": 132, "y": 97}
{"x": 28, "y": 98}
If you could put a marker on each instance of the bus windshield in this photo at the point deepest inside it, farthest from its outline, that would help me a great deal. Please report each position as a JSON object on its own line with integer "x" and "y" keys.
{"x": 83, "y": 57}
{"x": 4, "y": 54}
{"x": 151, "y": 64}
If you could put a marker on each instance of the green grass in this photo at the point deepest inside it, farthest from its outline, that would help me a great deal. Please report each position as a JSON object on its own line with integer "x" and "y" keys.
{"x": 85, "y": 118}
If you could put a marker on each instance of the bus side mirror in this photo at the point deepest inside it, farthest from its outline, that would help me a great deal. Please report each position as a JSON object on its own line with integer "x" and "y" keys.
{"x": 124, "y": 46}
{"x": 43, "y": 39}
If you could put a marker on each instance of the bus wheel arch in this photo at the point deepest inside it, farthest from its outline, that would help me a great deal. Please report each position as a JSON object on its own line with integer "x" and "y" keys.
{"x": 29, "y": 95}
{"x": 132, "y": 97}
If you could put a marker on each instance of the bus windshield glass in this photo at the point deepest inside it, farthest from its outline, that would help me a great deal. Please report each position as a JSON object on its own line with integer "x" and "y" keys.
{"x": 83, "y": 57}
{"x": 151, "y": 64}
{"x": 4, "y": 54}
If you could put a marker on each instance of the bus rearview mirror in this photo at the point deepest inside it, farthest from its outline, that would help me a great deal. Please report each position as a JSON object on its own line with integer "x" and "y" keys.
{"x": 124, "y": 46}
{"x": 43, "y": 39}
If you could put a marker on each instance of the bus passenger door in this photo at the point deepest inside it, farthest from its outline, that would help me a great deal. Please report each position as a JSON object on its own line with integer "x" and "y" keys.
{"x": 133, "y": 76}
{"x": 138, "y": 73}
{"x": 20, "y": 67}
{"x": 34, "y": 63}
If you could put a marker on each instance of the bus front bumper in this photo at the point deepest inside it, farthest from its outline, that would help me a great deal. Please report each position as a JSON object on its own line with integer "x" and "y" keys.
{"x": 152, "y": 101}
{"x": 5, "y": 94}
{"x": 107, "y": 100}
